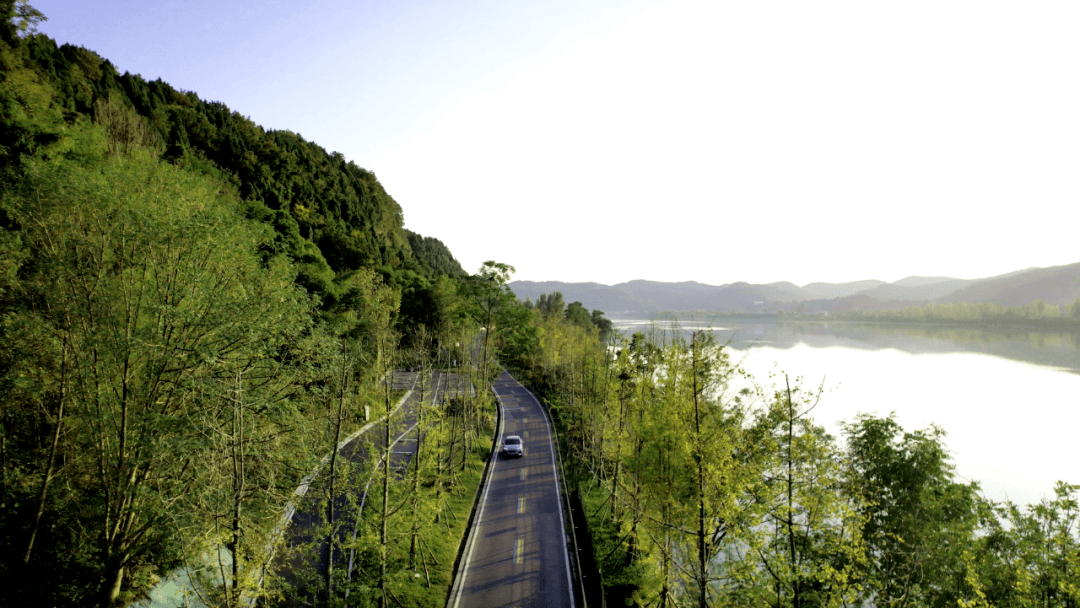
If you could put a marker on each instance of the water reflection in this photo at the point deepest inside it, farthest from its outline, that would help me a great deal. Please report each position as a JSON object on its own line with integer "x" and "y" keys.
{"x": 1008, "y": 399}
{"x": 1057, "y": 350}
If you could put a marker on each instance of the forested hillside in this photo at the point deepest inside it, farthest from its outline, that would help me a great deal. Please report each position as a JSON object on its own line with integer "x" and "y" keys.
{"x": 330, "y": 216}
{"x": 193, "y": 308}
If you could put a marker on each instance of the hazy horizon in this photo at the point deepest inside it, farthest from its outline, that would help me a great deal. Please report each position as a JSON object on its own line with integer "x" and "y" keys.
{"x": 910, "y": 276}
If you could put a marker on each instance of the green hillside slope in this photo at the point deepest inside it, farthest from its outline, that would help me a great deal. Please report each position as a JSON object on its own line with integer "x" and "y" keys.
{"x": 331, "y": 216}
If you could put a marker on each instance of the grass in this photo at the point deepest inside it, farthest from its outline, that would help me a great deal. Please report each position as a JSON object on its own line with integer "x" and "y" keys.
{"x": 611, "y": 550}
{"x": 443, "y": 539}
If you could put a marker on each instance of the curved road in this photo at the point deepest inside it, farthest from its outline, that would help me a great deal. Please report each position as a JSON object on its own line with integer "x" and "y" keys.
{"x": 516, "y": 554}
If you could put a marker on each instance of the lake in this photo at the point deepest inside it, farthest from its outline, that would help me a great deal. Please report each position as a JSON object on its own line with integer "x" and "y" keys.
{"x": 1008, "y": 400}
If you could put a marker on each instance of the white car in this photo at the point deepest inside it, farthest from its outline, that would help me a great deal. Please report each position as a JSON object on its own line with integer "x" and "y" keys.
{"x": 512, "y": 446}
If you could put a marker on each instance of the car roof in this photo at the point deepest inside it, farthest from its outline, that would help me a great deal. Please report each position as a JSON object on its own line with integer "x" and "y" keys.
{"x": 509, "y": 437}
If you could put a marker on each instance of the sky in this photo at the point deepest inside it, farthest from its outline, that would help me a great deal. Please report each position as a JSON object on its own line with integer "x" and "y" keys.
{"x": 712, "y": 141}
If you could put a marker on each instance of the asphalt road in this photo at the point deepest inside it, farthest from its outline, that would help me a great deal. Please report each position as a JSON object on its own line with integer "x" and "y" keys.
{"x": 516, "y": 554}
{"x": 351, "y": 490}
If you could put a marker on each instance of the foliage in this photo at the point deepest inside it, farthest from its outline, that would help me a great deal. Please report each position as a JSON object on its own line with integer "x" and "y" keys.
{"x": 1037, "y": 314}
{"x": 918, "y": 520}
{"x": 432, "y": 255}
{"x": 331, "y": 217}
{"x": 788, "y": 516}
{"x": 1030, "y": 555}
{"x": 143, "y": 335}
{"x": 809, "y": 546}
{"x": 177, "y": 287}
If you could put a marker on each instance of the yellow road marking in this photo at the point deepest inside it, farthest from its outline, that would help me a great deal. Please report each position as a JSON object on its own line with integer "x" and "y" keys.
{"x": 521, "y": 505}
{"x": 525, "y": 433}
{"x": 525, "y": 421}
{"x": 524, "y": 474}
{"x": 518, "y": 547}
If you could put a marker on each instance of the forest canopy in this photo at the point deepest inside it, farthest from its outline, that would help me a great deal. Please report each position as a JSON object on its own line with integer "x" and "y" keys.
{"x": 330, "y": 216}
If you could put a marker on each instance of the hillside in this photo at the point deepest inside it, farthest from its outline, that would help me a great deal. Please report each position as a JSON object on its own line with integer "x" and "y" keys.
{"x": 923, "y": 292}
{"x": 827, "y": 291}
{"x": 331, "y": 216}
{"x": 1058, "y": 286}
{"x": 194, "y": 311}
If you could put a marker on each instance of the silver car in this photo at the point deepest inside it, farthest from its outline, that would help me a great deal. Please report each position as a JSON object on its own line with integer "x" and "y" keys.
{"x": 512, "y": 446}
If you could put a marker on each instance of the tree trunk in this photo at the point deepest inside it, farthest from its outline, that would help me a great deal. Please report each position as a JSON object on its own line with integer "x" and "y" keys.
{"x": 383, "y": 527}
{"x": 416, "y": 475}
{"x": 238, "y": 487}
{"x": 52, "y": 456}
{"x": 703, "y": 574}
{"x": 329, "y": 573}
{"x": 116, "y": 576}
{"x": 790, "y": 498}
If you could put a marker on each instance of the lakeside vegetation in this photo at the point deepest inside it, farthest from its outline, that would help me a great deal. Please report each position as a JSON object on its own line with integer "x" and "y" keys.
{"x": 1037, "y": 315}
{"x": 701, "y": 486}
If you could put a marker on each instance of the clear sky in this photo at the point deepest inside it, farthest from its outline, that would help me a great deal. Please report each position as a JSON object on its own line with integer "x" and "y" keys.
{"x": 715, "y": 141}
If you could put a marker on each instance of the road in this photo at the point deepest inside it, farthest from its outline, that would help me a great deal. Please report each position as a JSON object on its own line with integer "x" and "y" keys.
{"x": 350, "y": 491}
{"x": 516, "y": 554}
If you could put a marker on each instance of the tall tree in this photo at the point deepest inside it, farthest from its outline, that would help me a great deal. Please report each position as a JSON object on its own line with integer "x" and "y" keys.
{"x": 807, "y": 550}
{"x": 917, "y": 518}
{"x": 1028, "y": 556}
{"x": 129, "y": 271}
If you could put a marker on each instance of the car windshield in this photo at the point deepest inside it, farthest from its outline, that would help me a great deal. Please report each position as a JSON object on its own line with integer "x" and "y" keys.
{"x": 513, "y": 440}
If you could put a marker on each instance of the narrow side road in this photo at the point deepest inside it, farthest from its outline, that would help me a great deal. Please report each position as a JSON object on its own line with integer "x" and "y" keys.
{"x": 516, "y": 553}
{"x": 350, "y": 497}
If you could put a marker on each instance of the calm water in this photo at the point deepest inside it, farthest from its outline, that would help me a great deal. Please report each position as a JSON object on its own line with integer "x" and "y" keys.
{"x": 1009, "y": 401}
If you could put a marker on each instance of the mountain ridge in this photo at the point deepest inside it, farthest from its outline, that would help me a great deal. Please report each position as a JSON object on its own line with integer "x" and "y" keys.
{"x": 1055, "y": 285}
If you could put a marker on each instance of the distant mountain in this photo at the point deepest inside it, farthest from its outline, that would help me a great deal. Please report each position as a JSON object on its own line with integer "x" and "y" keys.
{"x": 823, "y": 291}
{"x": 593, "y": 296}
{"x": 669, "y": 296}
{"x": 642, "y": 297}
{"x": 916, "y": 292}
{"x": 782, "y": 290}
{"x": 914, "y": 281}
{"x": 1058, "y": 285}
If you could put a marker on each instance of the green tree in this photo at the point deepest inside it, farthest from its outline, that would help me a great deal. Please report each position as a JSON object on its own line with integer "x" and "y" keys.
{"x": 506, "y": 324}
{"x": 549, "y": 305}
{"x": 917, "y": 518}
{"x": 691, "y": 470}
{"x": 577, "y": 314}
{"x": 24, "y": 17}
{"x": 808, "y": 546}
{"x": 1029, "y": 556}
{"x": 150, "y": 311}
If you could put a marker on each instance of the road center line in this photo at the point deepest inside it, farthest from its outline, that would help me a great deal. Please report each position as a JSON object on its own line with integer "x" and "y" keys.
{"x": 519, "y": 546}
{"x": 521, "y": 505}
